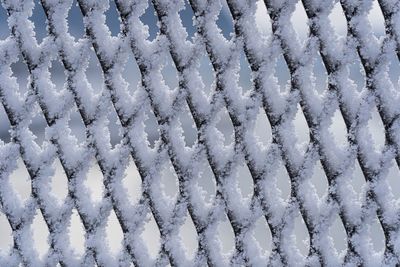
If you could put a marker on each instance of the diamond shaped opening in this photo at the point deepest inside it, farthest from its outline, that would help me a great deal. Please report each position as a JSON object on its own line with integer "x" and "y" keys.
{"x": 320, "y": 74}
{"x": 394, "y": 69}
{"x": 376, "y": 19}
{"x": 245, "y": 181}
{"x": 151, "y": 128}
{"x": 4, "y": 31}
{"x": 57, "y": 74}
{"x": 225, "y": 127}
{"x": 187, "y": 17}
{"x": 151, "y": 237}
{"x": 357, "y": 73}
{"x": 263, "y": 21}
{"x": 21, "y": 73}
{"x": 76, "y": 234}
{"x": 94, "y": 73}
{"x": 114, "y": 126}
{"x": 40, "y": 235}
{"x": 21, "y": 181}
{"x": 206, "y": 182}
{"x": 282, "y": 73}
{"x": 75, "y": 21}
{"x": 112, "y": 18}
{"x": 263, "y": 237}
{"x": 302, "y": 236}
{"x": 225, "y": 21}
{"x": 319, "y": 180}
{"x": 59, "y": 182}
{"x": 188, "y": 126}
{"x": 207, "y": 74}
{"x": 245, "y": 74}
{"x": 40, "y": 22}
{"x": 94, "y": 182}
{"x": 338, "y": 129}
{"x": 169, "y": 73}
{"x": 338, "y": 20}
{"x": 188, "y": 235}
{"x": 301, "y": 129}
{"x": 150, "y": 20}
{"x": 377, "y": 130}
{"x": 226, "y": 236}
{"x": 76, "y": 125}
{"x": 38, "y": 126}
{"x": 132, "y": 182}
{"x": 6, "y": 240}
{"x": 169, "y": 181}
{"x": 283, "y": 184}
{"x": 375, "y": 233}
{"x": 338, "y": 235}
{"x": 262, "y": 128}
{"x": 299, "y": 20}
{"x": 131, "y": 73}
{"x": 5, "y": 126}
{"x": 393, "y": 179}
{"x": 114, "y": 234}
{"x": 358, "y": 181}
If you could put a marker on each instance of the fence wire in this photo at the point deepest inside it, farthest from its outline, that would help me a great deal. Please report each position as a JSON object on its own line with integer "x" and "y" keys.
{"x": 132, "y": 105}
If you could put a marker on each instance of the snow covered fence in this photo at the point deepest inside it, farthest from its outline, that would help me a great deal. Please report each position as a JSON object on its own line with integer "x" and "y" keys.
{"x": 212, "y": 154}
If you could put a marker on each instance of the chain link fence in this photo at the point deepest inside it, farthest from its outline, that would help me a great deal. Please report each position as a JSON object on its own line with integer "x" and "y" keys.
{"x": 194, "y": 138}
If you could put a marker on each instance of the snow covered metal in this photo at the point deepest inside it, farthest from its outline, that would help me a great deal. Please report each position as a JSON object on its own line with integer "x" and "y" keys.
{"x": 132, "y": 104}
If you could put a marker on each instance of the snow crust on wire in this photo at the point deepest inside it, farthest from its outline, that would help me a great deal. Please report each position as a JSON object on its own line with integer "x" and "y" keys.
{"x": 133, "y": 103}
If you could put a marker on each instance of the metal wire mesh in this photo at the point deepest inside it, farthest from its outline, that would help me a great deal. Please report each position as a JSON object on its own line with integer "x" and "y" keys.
{"x": 111, "y": 96}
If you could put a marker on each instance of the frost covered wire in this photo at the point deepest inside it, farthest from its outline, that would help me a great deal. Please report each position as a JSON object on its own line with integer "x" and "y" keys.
{"x": 154, "y": 95}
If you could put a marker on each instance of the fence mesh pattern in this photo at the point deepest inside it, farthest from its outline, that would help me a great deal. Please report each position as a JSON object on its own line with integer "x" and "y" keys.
{"x": 211, "y": 150}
